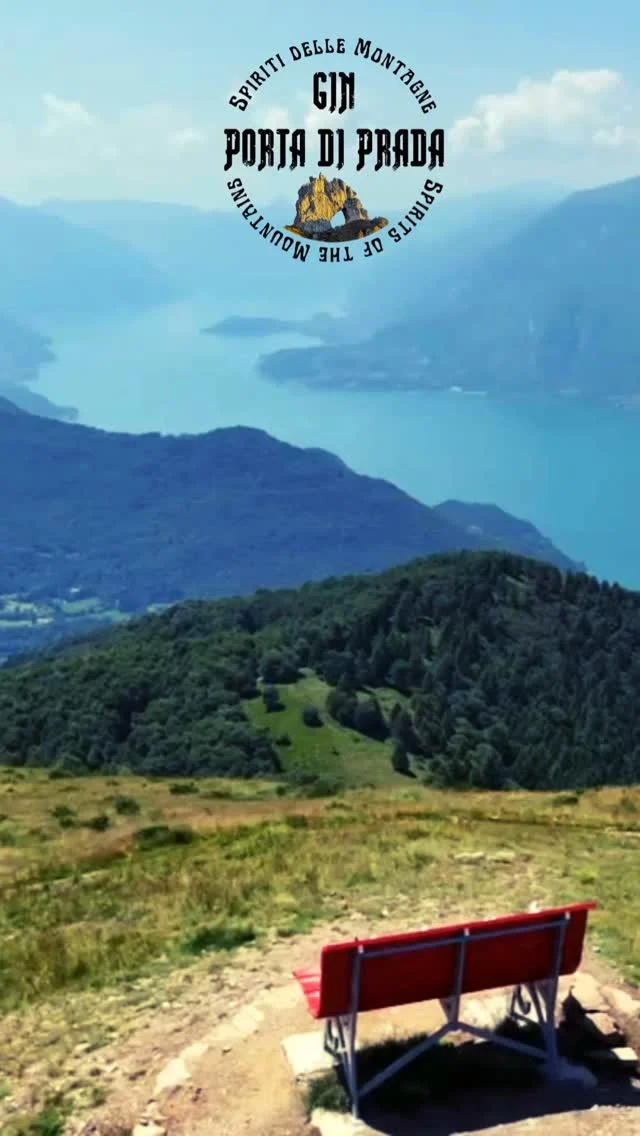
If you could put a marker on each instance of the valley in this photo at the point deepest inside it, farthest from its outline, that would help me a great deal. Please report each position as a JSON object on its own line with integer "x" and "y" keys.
{"x": 319, "y": 584}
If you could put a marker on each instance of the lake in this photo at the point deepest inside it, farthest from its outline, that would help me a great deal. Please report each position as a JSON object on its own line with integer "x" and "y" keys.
{"x": 572, "y": 469}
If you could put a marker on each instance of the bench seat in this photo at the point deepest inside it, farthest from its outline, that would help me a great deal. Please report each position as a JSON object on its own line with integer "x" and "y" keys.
{"x": 527, "y": 951}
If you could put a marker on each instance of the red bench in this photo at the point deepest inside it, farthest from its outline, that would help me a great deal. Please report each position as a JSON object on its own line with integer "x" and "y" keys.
{"x": 528, "y": 952}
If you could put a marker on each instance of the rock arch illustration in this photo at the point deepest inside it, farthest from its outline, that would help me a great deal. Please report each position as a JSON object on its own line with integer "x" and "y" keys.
{"x": 319, "y": 201}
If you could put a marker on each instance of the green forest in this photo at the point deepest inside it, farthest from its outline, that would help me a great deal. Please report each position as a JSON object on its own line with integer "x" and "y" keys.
{"x": 478, "y": 669}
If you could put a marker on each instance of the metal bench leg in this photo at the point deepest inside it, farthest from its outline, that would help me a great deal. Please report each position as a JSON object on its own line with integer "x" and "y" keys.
{"x": 341, "y": 1035}
{"x": 352, "y": 1068}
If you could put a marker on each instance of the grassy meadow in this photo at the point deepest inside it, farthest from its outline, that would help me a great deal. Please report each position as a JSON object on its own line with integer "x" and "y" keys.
{"x": 112, "y": 890}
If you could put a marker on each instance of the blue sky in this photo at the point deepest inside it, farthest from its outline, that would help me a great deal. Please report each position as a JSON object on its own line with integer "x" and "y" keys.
{"x": 121, "y": 100}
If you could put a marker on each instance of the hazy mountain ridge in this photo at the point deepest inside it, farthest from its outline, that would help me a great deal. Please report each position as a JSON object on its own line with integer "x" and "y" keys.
{"x": 52, "y": 268}
{"x": 142, "y": 519}
{"x": 551, "y": 310}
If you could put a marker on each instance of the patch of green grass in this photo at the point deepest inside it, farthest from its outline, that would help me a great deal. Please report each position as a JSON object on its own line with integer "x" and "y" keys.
{"x": 332, "y": 751}
{"x": 327, "y": 1093}
{"x": 49, "y": 1122}
{"x": 183, "y": 788}
{"x": 223, "y": 936}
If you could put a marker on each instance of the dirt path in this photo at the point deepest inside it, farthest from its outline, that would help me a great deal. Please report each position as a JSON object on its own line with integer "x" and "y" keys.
{"x": 213, "y": 1063}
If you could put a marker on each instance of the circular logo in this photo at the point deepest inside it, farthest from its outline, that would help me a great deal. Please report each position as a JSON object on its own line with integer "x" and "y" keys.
{"x": 342, "y": 171}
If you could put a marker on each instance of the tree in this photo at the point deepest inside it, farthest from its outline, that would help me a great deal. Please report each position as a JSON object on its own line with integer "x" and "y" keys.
{"x": 400, "y": 759}
{"x": 278, "y": 666}
{"x": 271, "y": 699}
{"x": 311, "y": 716}
{"x": 368, "y": 719}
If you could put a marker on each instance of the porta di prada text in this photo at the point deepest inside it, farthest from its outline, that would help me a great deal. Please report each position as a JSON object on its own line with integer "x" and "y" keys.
{"x": 334, "y": 92}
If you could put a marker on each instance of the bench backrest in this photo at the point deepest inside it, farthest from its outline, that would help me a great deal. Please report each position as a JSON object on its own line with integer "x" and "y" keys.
{"x": 520, "y": 949}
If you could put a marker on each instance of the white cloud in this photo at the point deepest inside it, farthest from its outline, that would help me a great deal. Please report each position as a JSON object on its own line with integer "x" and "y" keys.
{"x": 61, "y": 115}
{"x": 570, "y": 107}
{"x": 273, "y": 118}
{"x": 617, "y": 137}
{"x": 188, "y": 137}
{"x": 69, "y": 149}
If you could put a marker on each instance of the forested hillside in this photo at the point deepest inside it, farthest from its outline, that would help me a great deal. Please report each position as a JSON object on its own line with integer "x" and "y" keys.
{"x": 479, "y": 669}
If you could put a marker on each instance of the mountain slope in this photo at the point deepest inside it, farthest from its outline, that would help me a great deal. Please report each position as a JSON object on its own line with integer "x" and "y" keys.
{"x": 501, "y": 530}
{"x": 140, "y": 519}
{"x": 53, "y": 269}
{"x": 22, "y": 351}
{"x": 553, "y": 310}
{"x": 481, "y": 669}
{"x": 200, "y": 251}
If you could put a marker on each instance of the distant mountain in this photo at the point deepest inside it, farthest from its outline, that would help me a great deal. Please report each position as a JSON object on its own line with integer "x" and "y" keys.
{"x": 553, "y": 310}
{"x": 502, "y": 530}
{"x": 198, "y": 250}
{"x": 142, "y": 519}
{"x": 7, "y": 407}
{"x": 426, "y": 273}
{"x": 52, "y": 269}
{"x": 22, "y": 351}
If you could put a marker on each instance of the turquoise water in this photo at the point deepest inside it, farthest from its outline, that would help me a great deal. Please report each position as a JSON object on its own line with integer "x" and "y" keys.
{"x": 572, "y": 469}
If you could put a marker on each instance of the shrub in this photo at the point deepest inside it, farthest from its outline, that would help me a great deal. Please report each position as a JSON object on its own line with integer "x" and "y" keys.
{"x": 311, "y": 716}
{"x": 126, "y": 806}
{"x": 182, "y": 788}
{"x": 99, "y": 823}
{"x": 272, "y": 700}
{"x": 278, "y": 666}
{"x": 368, "y": 719}
{"x": 160, "y": 835}
{"x": 283, "y": 740}
{"x": 64, "y": 815}
{"x": 49, "y": 1122}
{"x": 400, "y": 759}
{"x": 566, "y": 799}
{"x": 323, "y": 785}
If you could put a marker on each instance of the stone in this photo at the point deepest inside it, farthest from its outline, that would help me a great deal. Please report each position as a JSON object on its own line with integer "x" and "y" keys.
{"x": 486, "y": 1013}
{"x": 620, "y": 1055}
{"x": 337, "y": 1124}
{"x": 622, "y": 1002}
{"x": 319, "y": 201}
{"x": 194, "y": 1052}
{"x": 587, "y": 992}
{"x": 306, "y": 1054}
{"x": 148, "y": 1128}
{"x": 173, "y": 1075}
